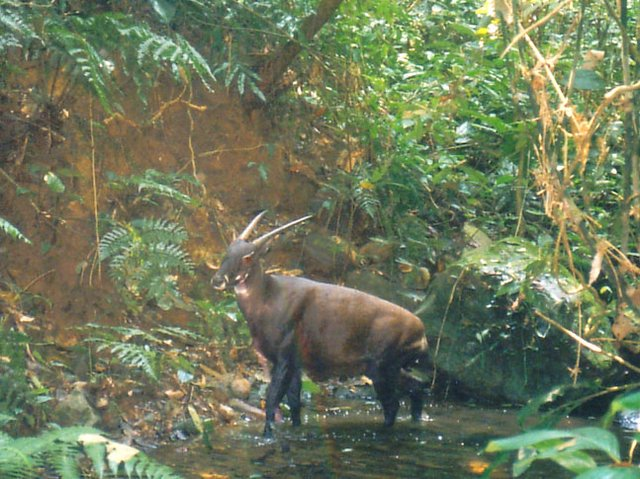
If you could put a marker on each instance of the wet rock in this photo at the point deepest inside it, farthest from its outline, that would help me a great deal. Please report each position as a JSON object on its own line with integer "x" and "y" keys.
{"x": 414, "y": 276}
{"x": 372, "y": 282}
{"x": 484, "y": 313}
{"x": 327, "y": 255}
{"x": 75, "y": 410}
{"x": 377, "y": 251}
{"x": 629, "y": 420}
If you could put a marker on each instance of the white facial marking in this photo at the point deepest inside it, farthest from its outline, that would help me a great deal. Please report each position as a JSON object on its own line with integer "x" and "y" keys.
{"x": 241, "y": 289}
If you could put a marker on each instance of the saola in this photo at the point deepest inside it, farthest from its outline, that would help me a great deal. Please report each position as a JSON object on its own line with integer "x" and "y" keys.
{"x": 325, "y": 329}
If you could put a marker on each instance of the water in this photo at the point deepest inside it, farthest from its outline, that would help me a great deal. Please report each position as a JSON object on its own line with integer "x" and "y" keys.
{"x": 344, "y": 439}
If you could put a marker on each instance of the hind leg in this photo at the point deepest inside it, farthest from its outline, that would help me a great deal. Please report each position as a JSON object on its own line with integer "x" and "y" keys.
{"x": 293, "y": 396}
{"x": 414, "y": 388}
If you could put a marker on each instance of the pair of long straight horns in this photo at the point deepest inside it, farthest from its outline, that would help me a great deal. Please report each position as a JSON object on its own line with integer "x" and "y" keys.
{"x": 262, "y": 239}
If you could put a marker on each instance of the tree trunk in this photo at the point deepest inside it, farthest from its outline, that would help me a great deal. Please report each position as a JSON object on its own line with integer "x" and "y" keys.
{"x": 272, "y": 70}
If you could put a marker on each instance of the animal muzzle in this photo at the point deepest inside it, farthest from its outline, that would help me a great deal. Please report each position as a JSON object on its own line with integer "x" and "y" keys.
{"x": 220, "y": 282}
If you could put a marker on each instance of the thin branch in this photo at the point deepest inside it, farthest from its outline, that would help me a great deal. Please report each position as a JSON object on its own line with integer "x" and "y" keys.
{"x": 609, "y": 97}
{"x": 587, "y": 344}
{"x": 533, "y": 26}
{"x": 94, "y": 187}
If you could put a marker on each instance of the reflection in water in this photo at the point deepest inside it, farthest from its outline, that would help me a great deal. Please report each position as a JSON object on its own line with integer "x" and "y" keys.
{"x": 348, "y": 441}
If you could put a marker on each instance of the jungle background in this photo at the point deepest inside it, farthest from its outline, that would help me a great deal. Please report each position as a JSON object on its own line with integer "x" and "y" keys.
{"x": 474, "y": 162}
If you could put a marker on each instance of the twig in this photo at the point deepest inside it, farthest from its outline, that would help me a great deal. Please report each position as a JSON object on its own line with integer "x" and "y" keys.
{"x": 587, "y": 344}
{"x": 533, "y": 26}
{"x": 167, "y": 104}
{"x": 36, "y": 279}
{"x": 543, "y": 61}
{"x": 444, "y": 320}
{"x": 94, "y": 186}
{"x": 608, "y": 99}
{"x": 226, "y": 150}
{"x": 13, "y": 182}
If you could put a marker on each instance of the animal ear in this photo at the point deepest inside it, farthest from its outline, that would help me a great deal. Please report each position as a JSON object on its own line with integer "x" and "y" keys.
{"x": 247, "y": 259}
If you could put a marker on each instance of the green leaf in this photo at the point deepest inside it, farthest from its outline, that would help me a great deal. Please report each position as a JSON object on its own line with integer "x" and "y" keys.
{"x": 54, "y": 183}
{"x": 96, "y": 452}
{"x": 12, "y": 231}
{"x": 165, "y": 8}
{"x": 310, "y": 387}
{"x": 598, "y": 439}
{"x": 610, "y": 472}
{"x": 575, "y": 461}
{"x": 587, "y": 80}
{"x": 526, "y": 440}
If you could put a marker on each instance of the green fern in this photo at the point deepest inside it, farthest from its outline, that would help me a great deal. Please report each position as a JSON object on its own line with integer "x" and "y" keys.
{"x": 151, "y": 49}
{"x": 364, "y": 198}
{"x": 60, "y": 452}
{"x": 16, "y": 30}
{"x": 145, "y": 257}
{"x": 138, "y": 356}
{"x": 90, "y": 48}
{"x": 131, "y": 347}
{"x": 70, "y": 44}
{"x": 243, "y": 77}
{"x": 12, "y": 231}
{"x": 154, "y": 183}
{"x": 20, "y": 402}
{"x": 146, "y": 351}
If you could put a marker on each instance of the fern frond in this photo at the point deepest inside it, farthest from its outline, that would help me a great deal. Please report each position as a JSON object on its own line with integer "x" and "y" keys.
{"x": 244, "y": 77}
{"x": 365, "y": 199}
{"x": 154, "y": 231}
{"x": 62, "y": 456}
{"x": 145, "y": 256}
{"x": 155, "y": 183}
{"x": 171, "y": 257}
{"x": 176, "y": 53}
{"x": 180, "y": 333}
{"x": 113, "y": 242}
{"x": 12, "y": 231}
{"x": 60, "y": 450}
{"x": 136, "y": 356}
{"x": 18, "y": 32}
{"x": 96, "y": 454}
{"x": 73, "y": 45}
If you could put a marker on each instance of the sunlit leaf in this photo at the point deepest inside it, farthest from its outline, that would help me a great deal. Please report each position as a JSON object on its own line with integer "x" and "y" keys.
{"x": 54, "y": 183}
{"x": 587, "y": 80}
{"x": 165, "y": 9}
{"x": 609, "y": 472}
{"x": 525, "y": 440}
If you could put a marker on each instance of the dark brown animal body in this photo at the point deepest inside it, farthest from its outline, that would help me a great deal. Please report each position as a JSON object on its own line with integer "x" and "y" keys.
{"x": 327, "y": 330}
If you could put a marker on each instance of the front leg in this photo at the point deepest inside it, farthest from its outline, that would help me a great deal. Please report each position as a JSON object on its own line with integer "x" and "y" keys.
{"x": 283, "y": 372}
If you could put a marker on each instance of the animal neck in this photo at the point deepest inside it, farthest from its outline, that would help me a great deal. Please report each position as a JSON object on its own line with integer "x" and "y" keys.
{"x": 253, "y": 285}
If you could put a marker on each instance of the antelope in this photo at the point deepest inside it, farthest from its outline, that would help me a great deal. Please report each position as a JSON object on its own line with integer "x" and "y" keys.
{"x": 327, "y": 330}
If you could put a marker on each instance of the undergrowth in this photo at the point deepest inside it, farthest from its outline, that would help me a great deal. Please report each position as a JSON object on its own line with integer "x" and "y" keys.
{"x": 145, "y": 256}
{"x": 69, "y": 453}
{"x": 149, "y": 352}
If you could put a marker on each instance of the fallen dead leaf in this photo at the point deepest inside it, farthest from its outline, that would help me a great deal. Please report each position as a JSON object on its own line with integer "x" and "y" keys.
{"x": 174, "y": 394}
{"x": 212, "y": 475}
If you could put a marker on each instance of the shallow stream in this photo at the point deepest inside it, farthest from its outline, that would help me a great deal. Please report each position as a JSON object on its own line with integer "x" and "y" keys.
{"x": 346, "y": 440}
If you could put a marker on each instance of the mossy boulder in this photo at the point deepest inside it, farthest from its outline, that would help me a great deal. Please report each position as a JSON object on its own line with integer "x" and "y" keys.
{"x": 488, "y": 339}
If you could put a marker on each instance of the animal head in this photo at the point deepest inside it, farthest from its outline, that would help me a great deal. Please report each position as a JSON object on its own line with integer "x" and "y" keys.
{"x": 242, "y": 255}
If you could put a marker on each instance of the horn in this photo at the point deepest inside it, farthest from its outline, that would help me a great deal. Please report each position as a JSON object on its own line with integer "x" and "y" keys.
{"x": 247, "y": 231}
{"x": 258, "y": 242}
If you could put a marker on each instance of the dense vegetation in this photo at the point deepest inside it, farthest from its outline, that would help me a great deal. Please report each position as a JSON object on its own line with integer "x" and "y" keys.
{"x": 516, "y": 119}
